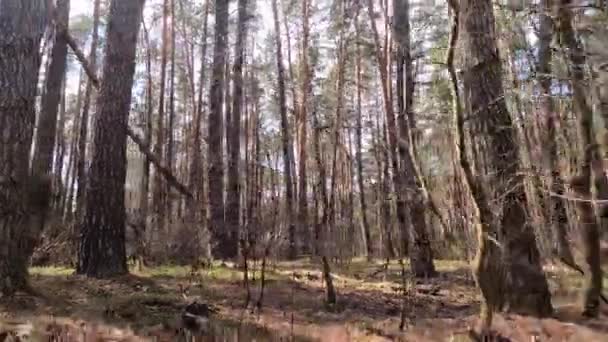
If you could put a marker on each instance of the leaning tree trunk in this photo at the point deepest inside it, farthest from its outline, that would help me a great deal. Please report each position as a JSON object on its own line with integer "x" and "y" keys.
{"x": 224, "y": 247}
{"x": 517, "y": 282}
{"x": 102, "y": 246}
{"x": 23, "y": 196}
{"x": 47, "y": 122}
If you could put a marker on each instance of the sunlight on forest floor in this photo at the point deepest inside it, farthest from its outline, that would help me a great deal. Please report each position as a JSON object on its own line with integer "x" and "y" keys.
{"x": 148, "y": 303}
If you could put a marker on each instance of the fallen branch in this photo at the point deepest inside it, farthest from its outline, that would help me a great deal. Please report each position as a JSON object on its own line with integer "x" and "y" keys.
{"x": 143, "y": 146}
{"x": 171, "y": 179}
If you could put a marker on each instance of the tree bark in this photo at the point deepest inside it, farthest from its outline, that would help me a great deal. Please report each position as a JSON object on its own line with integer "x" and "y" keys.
{"x": 24, "y": 196}
{"x": 84, "y": 121}
{"x": 102, "y": 248}
{"x": 160, "y": 190}
{"x": 583, "y": 183}
{"x": 421, "y": 254}
{"x": 233, "y": 201}
{"x": 369, "y": 246}
{"x": 47, "y": 123}
{"x": 558, "y": 218}
{"x": 398, "y": 179}
{"x": 224, "y": 246}
{"x": 286, "y": 136}
{"x": 305, "y": 91}
{"x": 519, "y": 284}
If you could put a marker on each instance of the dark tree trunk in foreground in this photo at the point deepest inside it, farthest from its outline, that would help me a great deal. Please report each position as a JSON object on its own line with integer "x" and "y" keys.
{"x": 233, "y": 201}
{"x": 102, "y": 246}
{"x": 511, "y": 277}
{"x": 23, "y": 197}
{"x": 224, "y": 247}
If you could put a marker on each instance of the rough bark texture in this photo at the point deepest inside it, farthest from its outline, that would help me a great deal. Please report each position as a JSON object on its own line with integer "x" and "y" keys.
{"x": 102, "y": 246}
{"x": 233, "y": 200}
{"x": 558, "y": 219}
{"x": 45, "y": 133}
{"x": 584, "y": 181}
{"x": 520, "y": 284}
{"x": 160, "y": 193}
{"x": 305, "y": 77}
{"x": 223, "y": 244}
{"x": 369, "y": 246}
{"x": 84, "y": 121}
{"x": 23, "y": 197}
{"x": 196, "y": 208}
{"x": 286, "y": 136}
{"x": 421, "y": 254}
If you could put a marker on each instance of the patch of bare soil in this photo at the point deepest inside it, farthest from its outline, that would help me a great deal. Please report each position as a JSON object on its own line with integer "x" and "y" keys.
{"x": 148, "y": 307}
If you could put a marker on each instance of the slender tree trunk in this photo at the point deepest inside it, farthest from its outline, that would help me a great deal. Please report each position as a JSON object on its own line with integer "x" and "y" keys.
{"x": 102, "y": 249}
{"x": 369, "y": 246}
{"x": 224, "y": 247}
{"x": 160, "y": 190}
{"x": 23, "y": 196}
{"x": 398, "y": 179}
{"x": 286, "y": 136}
{"x": 233, "y": 201}
{"x": 145, "y": 179}
{"x": 58, "y": 185}
{"x": 170, "y": 150}
{"x": 305, "y": 90}
{"x": 84, "y": 121}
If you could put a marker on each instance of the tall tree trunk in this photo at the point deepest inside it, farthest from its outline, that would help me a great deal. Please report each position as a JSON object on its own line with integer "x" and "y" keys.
{"x": 305, "y": 90}
{"x": 398, "y": 179}
{"x": 145, "y": 178}
{"x": 23, "y": 196}
{"x": 196, "y": 211}
{"x": 170, "y": 151}
{"x": 58, "y": 185}
{"x": 421, "y": 254}
{"x": 584, "y": 181}
{"x": 369, "y": 246}
{"x": 84, "y": 121}
{"x": 233, "y": 201}
{"x": 47, "y": 123}
{"x": 558, "y": 218}
{"x": 160, "y": 190}
{"x": 286, "y": 136}
{"x": 513, "y": 275}
{"x": 224, "y": 247}
{"x": 102, "y": 247}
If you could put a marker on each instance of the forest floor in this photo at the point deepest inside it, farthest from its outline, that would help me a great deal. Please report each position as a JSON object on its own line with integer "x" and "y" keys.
{"x": 147, "y": 304}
